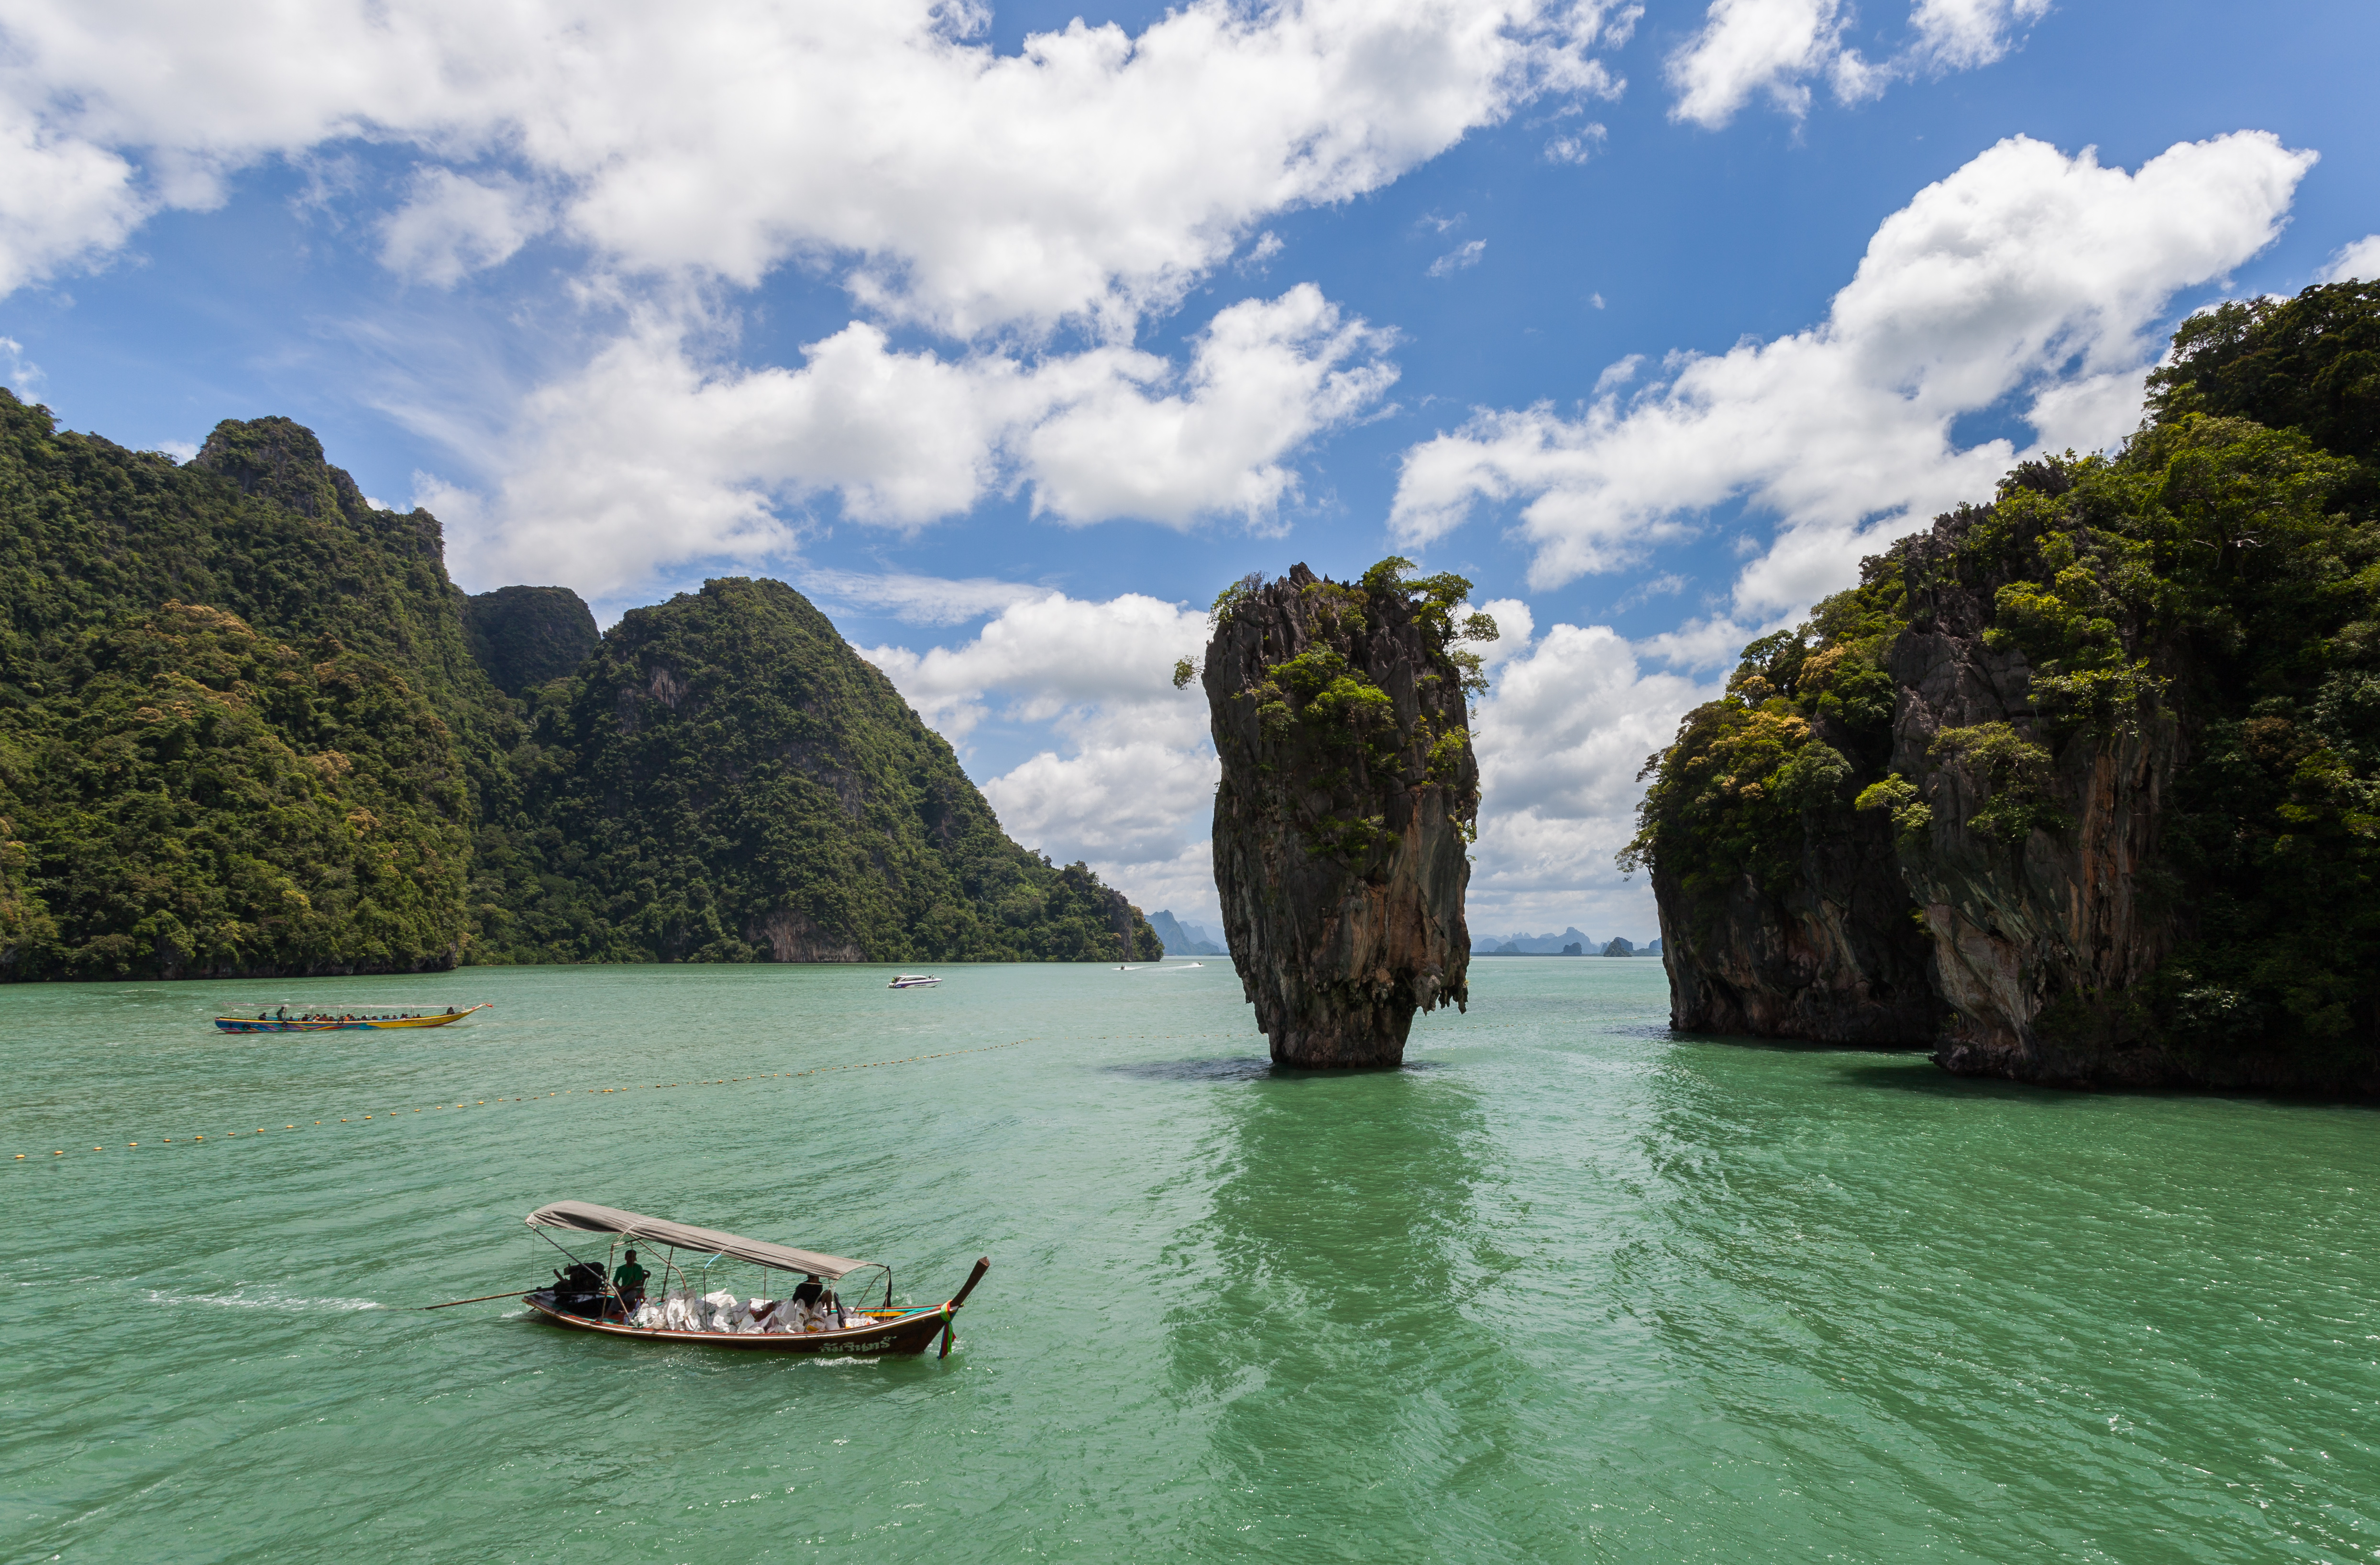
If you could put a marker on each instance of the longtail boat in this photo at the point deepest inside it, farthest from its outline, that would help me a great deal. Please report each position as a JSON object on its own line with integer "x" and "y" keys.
{"x": 588, "y": 1296}
{"x": 369, "y": 1018}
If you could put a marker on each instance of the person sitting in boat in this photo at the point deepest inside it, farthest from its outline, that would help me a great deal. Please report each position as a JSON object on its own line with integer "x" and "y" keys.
{"x": 630, "y": 1279}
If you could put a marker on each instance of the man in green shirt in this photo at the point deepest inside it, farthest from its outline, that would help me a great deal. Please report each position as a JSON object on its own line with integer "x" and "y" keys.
{"x": 630, "y": 1280}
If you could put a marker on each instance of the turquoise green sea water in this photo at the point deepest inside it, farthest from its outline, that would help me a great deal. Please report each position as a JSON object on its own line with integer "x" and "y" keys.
{"x": 1566, "y": 1289}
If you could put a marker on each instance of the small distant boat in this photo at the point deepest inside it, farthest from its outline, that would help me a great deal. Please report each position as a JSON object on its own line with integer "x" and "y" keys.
{"x": 678, "y": 1309}
{"x": 913, "y": 981}
{"x": 367, "y": 1019}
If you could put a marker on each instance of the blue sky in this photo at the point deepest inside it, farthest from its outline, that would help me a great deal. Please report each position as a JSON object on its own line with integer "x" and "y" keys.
{"x": 1012, "y": 345}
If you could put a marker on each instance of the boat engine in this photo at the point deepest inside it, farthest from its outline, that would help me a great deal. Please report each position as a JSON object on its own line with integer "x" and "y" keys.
{"x": 578, "y": 1289}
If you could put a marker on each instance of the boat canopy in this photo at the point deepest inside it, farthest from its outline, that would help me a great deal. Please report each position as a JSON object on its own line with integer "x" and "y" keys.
{"x": 587, "y": 1217}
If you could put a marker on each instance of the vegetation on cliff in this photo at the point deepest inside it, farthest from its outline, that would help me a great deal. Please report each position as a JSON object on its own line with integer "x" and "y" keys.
{"x": 525, "y": 636}
{"x": 725, "y": 779}
{"x": 1342, "y": 733}
{"x": 2220, "y": 577}
{"x": 249, "y": 726}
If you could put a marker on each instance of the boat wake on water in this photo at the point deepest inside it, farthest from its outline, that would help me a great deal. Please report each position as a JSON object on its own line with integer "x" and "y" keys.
{"x": 281, "y": 1303}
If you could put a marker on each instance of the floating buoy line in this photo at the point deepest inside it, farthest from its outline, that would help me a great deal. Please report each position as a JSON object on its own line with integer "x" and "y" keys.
{"x": 535, "y": 1097}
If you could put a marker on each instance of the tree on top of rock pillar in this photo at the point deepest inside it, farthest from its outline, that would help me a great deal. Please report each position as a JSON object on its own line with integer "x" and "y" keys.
{"x": 1348, "y": 800}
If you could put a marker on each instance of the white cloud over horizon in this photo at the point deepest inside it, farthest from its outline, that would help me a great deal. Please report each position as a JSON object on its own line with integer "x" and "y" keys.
{"x": 1569, "y": 720}
{"x": 1131, "y": 789}
{"x": 1567, "y": 723}
{"x": 2027, "y": 282}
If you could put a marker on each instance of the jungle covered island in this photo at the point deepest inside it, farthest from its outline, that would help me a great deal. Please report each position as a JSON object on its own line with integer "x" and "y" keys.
{"x": 726, "y": 781}
{"x": 2083, "y": 784}
{"x": 249, "y": 728}
{"x": 1348, "y": 799}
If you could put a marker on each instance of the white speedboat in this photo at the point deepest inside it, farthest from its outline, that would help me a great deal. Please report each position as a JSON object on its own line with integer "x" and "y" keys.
{"x": 913, "y": 981}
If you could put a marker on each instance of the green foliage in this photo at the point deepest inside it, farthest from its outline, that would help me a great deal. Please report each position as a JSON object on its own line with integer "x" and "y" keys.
{"x": 733, "y": 781}
{"x": 526, "y": 636}
{"x": 2015, "y": 775}
{"x": 1911, "y": 817}
{"x": 205, "y": 800}
{"x": 2310, "y": 363}
{"x": 1728, "y": 798}
{"x": 1808, "y": 711}
{"x": 1328, "y": 720}
{"x": 313, "y": 773}
{"x": 1229, "y": 599}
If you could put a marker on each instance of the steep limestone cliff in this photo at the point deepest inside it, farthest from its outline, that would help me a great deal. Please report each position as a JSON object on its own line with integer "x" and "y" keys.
{"x": 2035, "y": 943}
{"x": 1346, "y": 803}
{"x": 2082, "y": 785}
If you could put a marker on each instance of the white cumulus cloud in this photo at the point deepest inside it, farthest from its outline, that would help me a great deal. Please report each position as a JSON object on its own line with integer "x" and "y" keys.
{"x": 451, "y": 225}
{"x": 1092, "y": 175}
{"x": 1777, "y": 48}
{"x": 2358, "y": 261}
{"x": 1561, "y": 736}
{"x": 654, "y": 454}
{"x": 1265, "y": 377}
{"x": 2027, "y": 282}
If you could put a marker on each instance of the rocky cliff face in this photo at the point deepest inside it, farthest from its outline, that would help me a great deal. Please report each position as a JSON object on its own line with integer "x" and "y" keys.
{"x": 2074, "y": 788}
{"x": 1345, "y": 807}
{"x": 1835, "y": 956}
{"x": 2035, "y": 945}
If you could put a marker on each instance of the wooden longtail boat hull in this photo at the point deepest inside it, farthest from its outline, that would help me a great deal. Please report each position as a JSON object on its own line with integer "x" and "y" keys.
{"x": 911, "y": 1333}
{"x": 268, "y": 1024}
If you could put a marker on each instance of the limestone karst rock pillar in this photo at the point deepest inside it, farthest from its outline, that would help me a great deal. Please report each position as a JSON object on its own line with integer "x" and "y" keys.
{"x": 1347, "y": 806}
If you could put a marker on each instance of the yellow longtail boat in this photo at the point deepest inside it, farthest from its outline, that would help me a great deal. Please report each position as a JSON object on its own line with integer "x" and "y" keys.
{"x": 368, "y": 1019}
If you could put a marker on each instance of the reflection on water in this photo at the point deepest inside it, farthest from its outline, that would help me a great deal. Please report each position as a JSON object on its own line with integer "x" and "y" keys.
{"x": 1356, "y": 1379}
{"x": 1251, "y": 1068}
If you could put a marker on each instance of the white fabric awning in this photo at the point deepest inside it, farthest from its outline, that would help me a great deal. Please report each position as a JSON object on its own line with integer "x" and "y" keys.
{"x": 587, "y": 1217}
